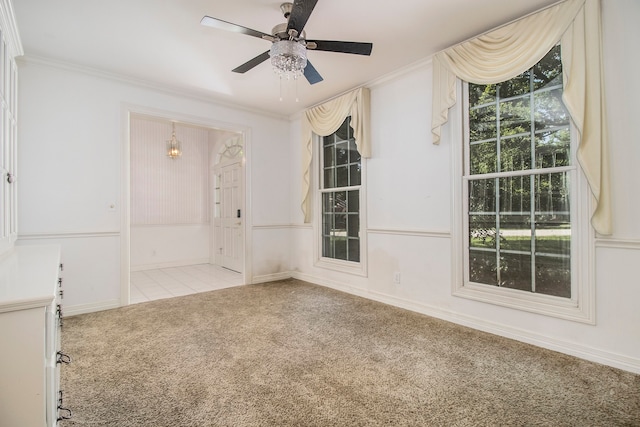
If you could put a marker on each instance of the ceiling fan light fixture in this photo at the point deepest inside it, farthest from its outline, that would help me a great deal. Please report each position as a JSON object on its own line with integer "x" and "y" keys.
{"x": 288, "y": 58}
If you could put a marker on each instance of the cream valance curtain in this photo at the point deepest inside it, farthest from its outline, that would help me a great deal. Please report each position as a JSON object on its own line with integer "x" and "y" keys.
{"x": 324, "y": 120}
{"x": 510, "y": 50}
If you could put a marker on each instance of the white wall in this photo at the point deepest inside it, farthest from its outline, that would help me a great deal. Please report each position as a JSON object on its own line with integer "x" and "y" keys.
{"x": 409, "y": 212}
{"x": 162, "y": 246}
{"x": 72, "y": 137}
{"x": 169, "y": 197}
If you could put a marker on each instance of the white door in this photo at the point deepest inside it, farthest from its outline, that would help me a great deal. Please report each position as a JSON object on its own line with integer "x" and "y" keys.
{"x": 230, "y": 227}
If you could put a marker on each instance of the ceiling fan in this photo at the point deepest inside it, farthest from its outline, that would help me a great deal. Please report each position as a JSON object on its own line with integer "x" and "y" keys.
{"x": 289, "y": 46}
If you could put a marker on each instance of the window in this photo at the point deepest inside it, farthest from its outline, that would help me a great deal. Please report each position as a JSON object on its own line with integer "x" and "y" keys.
{"x": 340, "y": 167}
{"x": 519, "y": 189}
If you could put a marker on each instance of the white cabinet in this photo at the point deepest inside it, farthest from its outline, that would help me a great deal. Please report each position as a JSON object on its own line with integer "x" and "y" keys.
{"x": 10, "y": 47}
{"x": 30, "y": 356}
{"x": 8, "y": 147}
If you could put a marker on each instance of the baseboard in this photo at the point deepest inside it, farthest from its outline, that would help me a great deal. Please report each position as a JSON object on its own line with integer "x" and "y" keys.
{"x": 584, "y": 352}
{"x": 74, "y": 310}
{"x": 182, "y": 263}
{"x": 271, "y": 277}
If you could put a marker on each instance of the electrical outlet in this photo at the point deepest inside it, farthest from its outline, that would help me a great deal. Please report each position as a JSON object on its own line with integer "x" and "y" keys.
{"x": 396, "y": 277}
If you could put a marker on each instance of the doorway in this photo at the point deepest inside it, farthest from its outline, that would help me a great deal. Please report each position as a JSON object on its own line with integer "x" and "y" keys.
{"x": 199, "y": 269}
{"x": 228, "y": 206}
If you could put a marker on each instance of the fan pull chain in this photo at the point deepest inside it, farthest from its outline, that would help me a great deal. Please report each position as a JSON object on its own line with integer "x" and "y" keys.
{"x": 296, "y": 79}
{"x": 280, "y": 88}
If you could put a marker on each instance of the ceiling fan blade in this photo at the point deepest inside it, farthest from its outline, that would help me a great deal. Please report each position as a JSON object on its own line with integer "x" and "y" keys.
{"x": 228, "y": 26}
{"x": 252, "y": 63}
{"x": 300, "y": 14}
{"x": 312, "y": 74}
{"x": 342, "y": 47}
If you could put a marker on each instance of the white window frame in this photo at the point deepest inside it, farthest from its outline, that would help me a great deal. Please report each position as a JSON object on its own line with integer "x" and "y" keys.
{"x": 581, "y": 306}
{"x": 350, "y": 267}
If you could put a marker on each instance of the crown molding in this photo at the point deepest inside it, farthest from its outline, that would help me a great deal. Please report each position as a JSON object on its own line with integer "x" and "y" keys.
{"x": 10, "y": 28}
{"x": 378, "y": 81}
{"x": 137, "y": 82}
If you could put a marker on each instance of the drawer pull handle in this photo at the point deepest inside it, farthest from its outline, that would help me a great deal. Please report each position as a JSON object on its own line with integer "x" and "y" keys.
{"x": 60, "y": 282}
{"x": 61, "y": 293}
{"x": 63, "y": 358}
{"x": 61, "y": 267}
{"x": 65, "y": 415}
{"x": 10, "y": 178}
{"x": 59, "y": 313}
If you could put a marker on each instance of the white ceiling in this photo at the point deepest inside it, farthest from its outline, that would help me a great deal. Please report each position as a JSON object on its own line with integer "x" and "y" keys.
{"x": 162, "y": 41}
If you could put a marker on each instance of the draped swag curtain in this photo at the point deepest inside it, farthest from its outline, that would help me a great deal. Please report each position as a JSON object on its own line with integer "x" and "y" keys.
{"x": 510, "y": 50}
{"x": 324, "y": 120}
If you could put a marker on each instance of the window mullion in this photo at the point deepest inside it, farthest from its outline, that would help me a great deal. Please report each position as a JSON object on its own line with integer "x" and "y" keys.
{"x": 532, "y": 217}
{"x": 497, "y": 186}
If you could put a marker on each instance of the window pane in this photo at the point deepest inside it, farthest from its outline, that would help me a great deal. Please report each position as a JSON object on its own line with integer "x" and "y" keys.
{"x": 329, "y": 178}
{"x": 340, "y": 201}
{"x": 354, "y": 174}
{"x": 482, "y": 195}
{"x": 354, "y": 201}
{"x": 518, "y": 85}
{"x": 483, "y": 267}
{"x": 482, "y": 231}
{"x": 553, "y": 237}
{"x": 328, "y": 140}
{"x": 548, "y": 72}
{"x": 483, "y": 157}
{"x": 515, "y": 233}
{"x": 342, "y": 176}
{"x": 327, "y": 247}
{"x": 327, "y": 203}
{"x": 553, "y": 276}
{"x": 552, "y": 195}
{"x": 342, "y": 153}
{"x": 340, "y": 225}
{"x": 553, "y": 149}
{"x": 340, "y": 248}
{"x": 344, "y": 131}
{"x": 481, "y": 94}
{"x": 354, "y": 250}
{"x": 515, "y": 154}
{"x": 515, "y": 194}
{"x": 329, "y": 158}
{"x": 550, "y": 110}
{"x": 327, "y": 224}
{"x": 354, "y": 155}
{"x": 515, "y": 117}
{"x": 353, "y": 226}
{"x": 515, "y": 271}
{"x": 482, "y": 123}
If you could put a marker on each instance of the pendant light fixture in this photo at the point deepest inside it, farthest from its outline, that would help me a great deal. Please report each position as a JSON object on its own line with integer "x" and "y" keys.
{"x": 174, "y": 147}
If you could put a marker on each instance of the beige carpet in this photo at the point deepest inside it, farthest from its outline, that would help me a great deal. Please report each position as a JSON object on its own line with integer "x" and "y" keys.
{"x": 293, "y": 354}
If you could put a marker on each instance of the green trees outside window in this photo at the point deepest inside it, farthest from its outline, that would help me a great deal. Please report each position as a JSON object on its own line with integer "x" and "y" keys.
{"x": 518, "y": 178}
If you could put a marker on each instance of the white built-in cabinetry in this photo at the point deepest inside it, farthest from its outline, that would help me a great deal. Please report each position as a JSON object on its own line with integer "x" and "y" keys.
{"x": 30, "y": 320}
{"x": 10, "y": 48}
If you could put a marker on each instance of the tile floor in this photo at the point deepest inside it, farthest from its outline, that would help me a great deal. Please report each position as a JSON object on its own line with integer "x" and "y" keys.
{"x": 171, "y": 282}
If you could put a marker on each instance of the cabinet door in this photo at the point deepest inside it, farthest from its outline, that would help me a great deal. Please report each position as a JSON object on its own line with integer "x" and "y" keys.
{"x": 8, "y": 149}
{"x": 22, "y": 368}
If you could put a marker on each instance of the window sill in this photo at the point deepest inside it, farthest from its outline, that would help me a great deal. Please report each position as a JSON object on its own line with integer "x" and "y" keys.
{"x": 564, "y": 308}
{"x": 355, "y": 268}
